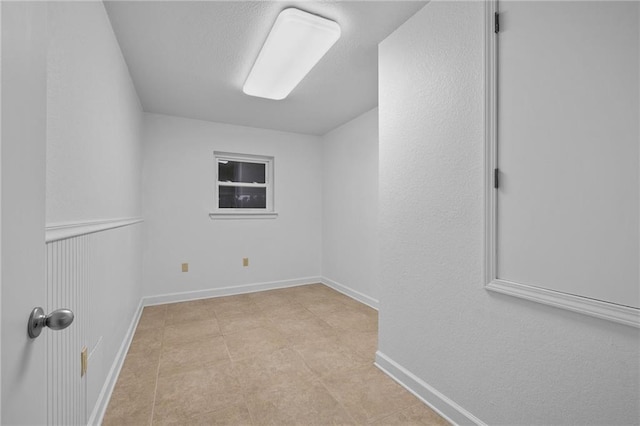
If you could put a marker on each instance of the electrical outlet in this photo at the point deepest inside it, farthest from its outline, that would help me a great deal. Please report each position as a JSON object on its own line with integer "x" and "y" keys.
{"x": 84, "y": 360}
{"x": 245, "y": 261}
{"x": 185, "y": 267}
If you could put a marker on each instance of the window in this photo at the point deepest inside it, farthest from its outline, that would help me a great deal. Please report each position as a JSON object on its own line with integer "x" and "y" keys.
{"x": 243, "y": 186}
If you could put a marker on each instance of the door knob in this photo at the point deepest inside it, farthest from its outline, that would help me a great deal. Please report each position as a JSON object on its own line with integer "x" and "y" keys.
{"x": 56, "y": 320}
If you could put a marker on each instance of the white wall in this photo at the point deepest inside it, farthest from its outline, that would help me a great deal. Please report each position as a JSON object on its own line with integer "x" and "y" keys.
{"x": 502, "y": 359}
{"x": 178, "y": 181}
{"x": 94, "y": 167}
{"x": 94, "y": 119}
{"x": 350, "y": 206}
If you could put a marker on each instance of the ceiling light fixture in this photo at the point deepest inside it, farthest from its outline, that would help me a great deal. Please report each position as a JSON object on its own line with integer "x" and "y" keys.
{"x": 297, "y": 41}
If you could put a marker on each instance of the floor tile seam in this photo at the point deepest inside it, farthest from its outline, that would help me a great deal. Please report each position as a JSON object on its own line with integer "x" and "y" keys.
{"x": 241, "y": 330}
{"x": 264, "y": 310}
{"x": 318, "y": 377}
{"x": 181, "y": 325}
{"x": 178, "y": 320}
{"x": 335, "y": 398}
{"x": 204, "y": 413}
{"x": 226, "y": 346}
{"x": 215, "y": 307}
{"x": 286, "y": 344}
{"x": 244, "y": 401}
{"x": 183, "y": 321}
{"x": 319, "y": 317}
{"x": 224, "y": 317}
{"x": 155, "y": 388}
{"x": 274, "y": 323}
{"x": 380, "y": 418}
{"x": 235, "y": 306}
{"x": 248, "y": 329}
{"x": 373, "y": 419}
{"x": 224, "y": 340}
{"x": 173, "y": 346}
{"x": 402, "y": 409}
{"x": 241, "y": 315}
{"x": 181, "y": 371}
{"x": 384, "y": 416}
{"x": 189, "y": 341}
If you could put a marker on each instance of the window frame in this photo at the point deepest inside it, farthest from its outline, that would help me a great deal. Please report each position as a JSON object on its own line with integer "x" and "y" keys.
{"x": 240, "y": 213}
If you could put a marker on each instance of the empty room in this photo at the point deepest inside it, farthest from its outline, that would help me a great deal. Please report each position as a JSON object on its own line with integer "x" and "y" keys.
{"x": 320, "y": 212}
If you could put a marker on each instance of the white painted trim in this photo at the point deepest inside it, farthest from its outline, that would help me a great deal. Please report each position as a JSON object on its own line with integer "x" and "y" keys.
{"x": 354, "y": 294}
{"x": 226, "y": 291}
{"x": 440, "y": 403}
{"x": 596, "y": 308}
{"x": 243, "y": 215}
{"x": 491, "y": 140}
{"x": 61, "y": 231}
{"x": 0, "y": 213}
{"x": 97, "y": 414}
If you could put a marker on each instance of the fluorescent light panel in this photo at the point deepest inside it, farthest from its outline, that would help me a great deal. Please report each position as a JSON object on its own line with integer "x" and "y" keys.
{"x": 297, "y": 41}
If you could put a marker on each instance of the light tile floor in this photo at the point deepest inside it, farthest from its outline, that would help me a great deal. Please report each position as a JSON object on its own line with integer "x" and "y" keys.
{"x": 302, "y": 355}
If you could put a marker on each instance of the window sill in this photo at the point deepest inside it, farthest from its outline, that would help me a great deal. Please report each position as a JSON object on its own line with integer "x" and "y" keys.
{"x": 243, "y": 215}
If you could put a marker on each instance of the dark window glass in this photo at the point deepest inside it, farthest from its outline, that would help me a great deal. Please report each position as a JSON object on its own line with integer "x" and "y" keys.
{"x": 234, "y": 197}
{"x": 238, "y": 171}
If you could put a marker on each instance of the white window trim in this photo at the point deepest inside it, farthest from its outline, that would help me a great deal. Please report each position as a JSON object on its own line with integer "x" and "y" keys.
{"x": 576, "y": 303}
{"x": 266, "y": 213}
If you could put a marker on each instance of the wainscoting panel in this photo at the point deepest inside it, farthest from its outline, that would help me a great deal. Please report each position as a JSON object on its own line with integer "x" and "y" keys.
{"x": 93, "y": 269}
{"x": 68, "y": 277}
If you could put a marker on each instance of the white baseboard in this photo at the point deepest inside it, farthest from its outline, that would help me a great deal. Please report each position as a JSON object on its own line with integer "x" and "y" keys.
{"x": 226, "y": 291}
{"x": 97, "y": 415}
{"x": 444, "y": 406}
{"x": 354, "y": 294}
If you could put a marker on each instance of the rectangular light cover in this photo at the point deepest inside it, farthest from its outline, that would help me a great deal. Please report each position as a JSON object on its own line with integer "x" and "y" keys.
{"x": 297, "y": 41}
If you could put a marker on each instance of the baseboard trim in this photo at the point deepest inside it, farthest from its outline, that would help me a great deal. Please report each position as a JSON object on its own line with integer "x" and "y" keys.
{"x": 348, "y": 291}
{"x": 97, "y": 415}
{"x": 226, "y": 291}
{"x": 444, "y": 406}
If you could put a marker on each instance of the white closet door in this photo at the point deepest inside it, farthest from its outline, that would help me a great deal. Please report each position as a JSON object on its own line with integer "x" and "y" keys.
{"x": 568, "y": 148}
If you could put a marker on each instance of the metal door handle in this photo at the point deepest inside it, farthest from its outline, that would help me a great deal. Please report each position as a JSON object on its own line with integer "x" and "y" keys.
{"x": 56, "y": 320}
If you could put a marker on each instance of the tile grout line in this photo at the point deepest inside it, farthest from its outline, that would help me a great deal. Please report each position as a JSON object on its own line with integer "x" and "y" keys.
{"x": 155, "y": 389}
{"x": 319, "y": 378}
{"x": 290, "y": 300}
{"x": 244, "y": 399}
{"x": 321, "y": 382}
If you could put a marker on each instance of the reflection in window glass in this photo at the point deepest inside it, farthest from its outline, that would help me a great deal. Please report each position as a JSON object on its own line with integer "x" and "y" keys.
{"x": 243, "y": 172}
{"x": 234, "y": 197}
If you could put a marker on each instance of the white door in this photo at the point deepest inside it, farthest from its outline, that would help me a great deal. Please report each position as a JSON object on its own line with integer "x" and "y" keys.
{"x": 568, "y": 143}
{"x": 22, "y": 195}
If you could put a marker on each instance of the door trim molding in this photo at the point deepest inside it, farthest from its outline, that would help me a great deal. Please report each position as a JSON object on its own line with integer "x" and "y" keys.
{"x": 583, "y": 305}
{"x": 491, "y": 141}
{"x": 64, "y": 230}
{"x": 592, "y": 307}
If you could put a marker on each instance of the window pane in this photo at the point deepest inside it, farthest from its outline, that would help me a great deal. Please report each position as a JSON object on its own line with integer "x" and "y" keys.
{"x": 238, "y": 171}
{"x": 233, "y": 197}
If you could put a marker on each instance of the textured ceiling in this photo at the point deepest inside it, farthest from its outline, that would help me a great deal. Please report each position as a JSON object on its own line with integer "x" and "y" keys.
{"x": 191, "y": 58}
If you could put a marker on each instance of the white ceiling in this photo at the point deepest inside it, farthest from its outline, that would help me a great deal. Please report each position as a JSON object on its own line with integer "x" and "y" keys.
{"x": 191, "y": 58}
